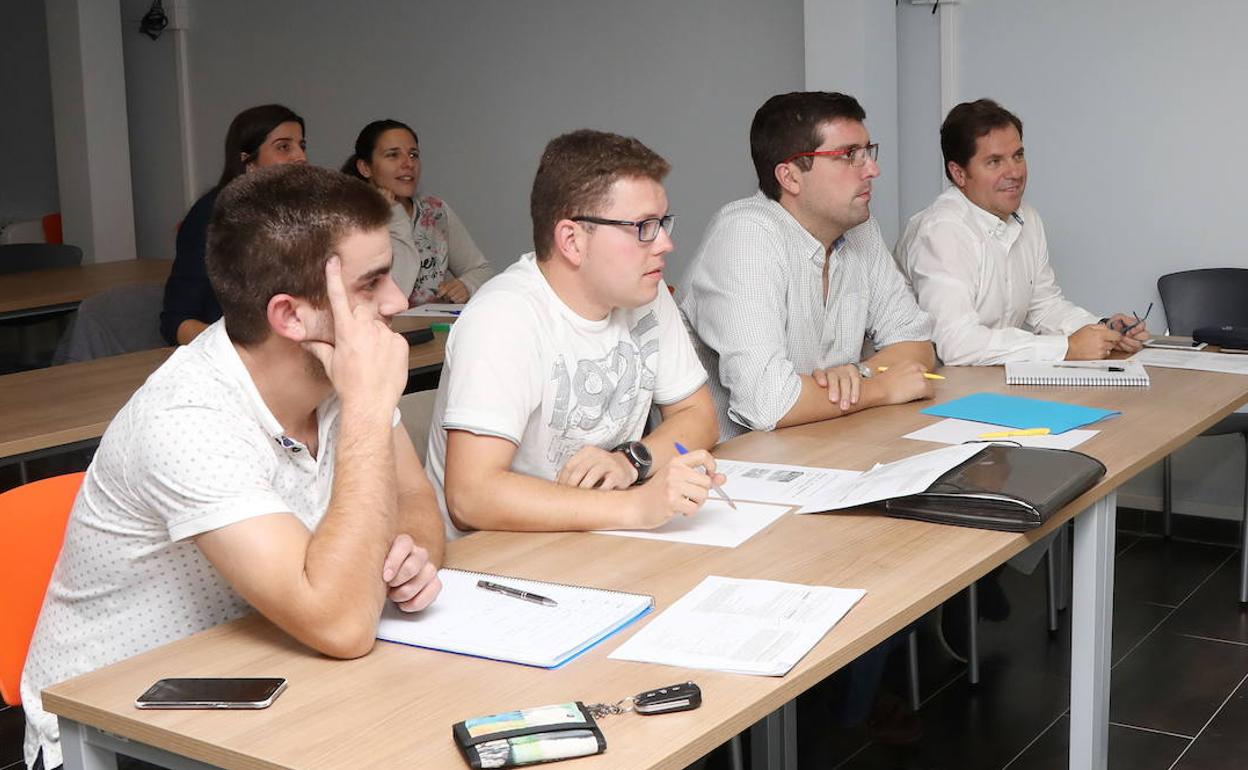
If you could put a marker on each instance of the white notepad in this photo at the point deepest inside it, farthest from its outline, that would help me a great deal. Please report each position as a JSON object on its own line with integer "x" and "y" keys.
{"x": 1126, "y": 373}
{"x": 472, "y": 621}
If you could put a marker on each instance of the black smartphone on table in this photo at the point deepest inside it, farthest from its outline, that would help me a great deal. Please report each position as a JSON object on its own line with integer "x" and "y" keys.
{"x": 210, "y": 693}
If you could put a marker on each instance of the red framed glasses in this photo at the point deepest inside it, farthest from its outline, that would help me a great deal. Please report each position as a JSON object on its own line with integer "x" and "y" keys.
{"x": 856, "y": 155}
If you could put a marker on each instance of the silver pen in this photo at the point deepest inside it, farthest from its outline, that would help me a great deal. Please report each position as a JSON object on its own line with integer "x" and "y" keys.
{"x": 516, "y": 593}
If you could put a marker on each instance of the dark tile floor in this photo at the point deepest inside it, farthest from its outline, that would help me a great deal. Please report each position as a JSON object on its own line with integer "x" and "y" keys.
{"x": 1179, "y": 698}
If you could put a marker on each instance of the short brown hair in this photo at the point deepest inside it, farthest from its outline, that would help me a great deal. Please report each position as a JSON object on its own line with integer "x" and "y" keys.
{"x": 787, "y": 124}
{"x": 272, "y": 232}
{"x": 966, "y": 123}
{"x": 576, "y": 174}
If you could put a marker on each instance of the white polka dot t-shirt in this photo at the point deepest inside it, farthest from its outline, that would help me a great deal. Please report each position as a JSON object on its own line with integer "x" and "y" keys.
{"x": 195, "y": 449}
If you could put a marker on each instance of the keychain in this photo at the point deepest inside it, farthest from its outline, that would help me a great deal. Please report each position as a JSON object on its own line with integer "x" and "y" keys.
{"x": 665, "y": 700}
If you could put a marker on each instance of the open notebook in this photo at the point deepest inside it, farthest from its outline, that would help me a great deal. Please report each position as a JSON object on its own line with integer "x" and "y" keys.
{"x": 472, "y": 621}
{"x": 1077, "y": 373}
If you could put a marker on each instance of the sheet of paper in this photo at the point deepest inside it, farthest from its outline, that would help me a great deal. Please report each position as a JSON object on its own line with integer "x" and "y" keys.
{"x": 760, "y": 627}
{"x": 1227, "y": 363}
{"x": 435, "y": 309}
{"x": 896, "y": 479}
{"x": 780, "y": 484}
{"x": 954, "y": 431}
{"x": 715, "y": 523}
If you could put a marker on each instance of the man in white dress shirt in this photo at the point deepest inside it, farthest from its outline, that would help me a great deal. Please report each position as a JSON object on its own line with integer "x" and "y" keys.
{"x": 262, "y": 467}
{"x": 978, "y": 260}
{"x": 789, "y": 283}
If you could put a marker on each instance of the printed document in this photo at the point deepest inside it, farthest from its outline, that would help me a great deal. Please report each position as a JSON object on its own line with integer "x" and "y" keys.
{"x": 715, "y": 523}
{"x": 760, "y": 627}
{"x": 1226, "y": 363}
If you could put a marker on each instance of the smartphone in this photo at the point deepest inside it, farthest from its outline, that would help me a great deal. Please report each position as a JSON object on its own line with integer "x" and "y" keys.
{"x": 240, "y": 693}
{"x": 1174, "y": 343}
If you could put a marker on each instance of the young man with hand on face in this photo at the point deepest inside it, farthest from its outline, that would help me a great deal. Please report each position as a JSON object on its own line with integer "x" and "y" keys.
{"x": 552, "y": 368}
{"x": 263, "y": 465}
{"x": 789, "y": 283}
{"x": 978, "y": 258}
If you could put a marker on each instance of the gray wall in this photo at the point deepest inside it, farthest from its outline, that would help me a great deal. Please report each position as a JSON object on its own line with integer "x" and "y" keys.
{"x": 1133, "y": 112}
{"x": 486, "y": 83}
{"x": 27, "y": 149}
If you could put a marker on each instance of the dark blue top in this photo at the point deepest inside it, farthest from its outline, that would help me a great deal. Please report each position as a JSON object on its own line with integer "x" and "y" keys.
{"x": 187, "y": 292}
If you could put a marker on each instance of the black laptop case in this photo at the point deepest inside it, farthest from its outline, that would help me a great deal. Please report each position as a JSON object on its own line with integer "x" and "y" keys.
{"x": 1004, "y": 487}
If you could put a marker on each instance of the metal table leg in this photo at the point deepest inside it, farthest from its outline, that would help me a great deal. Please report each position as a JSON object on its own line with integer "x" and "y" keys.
{"x": 1091, "y": 625}
{"x": 773, "y": 741}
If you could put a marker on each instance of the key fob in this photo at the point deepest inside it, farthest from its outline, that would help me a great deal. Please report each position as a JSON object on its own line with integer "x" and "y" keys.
{"x": 665, "y": 700}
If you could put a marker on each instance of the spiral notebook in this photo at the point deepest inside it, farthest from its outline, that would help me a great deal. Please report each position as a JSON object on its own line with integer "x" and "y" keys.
{"x": 1125, "y": 373}
{"x": 469, "y": 620}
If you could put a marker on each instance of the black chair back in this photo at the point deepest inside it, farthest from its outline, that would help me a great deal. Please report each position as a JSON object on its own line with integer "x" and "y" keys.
{"x": 1215, "y": 296}
{"x": 24, "y": 257}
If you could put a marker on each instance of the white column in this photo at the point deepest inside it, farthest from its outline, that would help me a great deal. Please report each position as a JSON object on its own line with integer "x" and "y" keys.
{"x": 92, "y": 139}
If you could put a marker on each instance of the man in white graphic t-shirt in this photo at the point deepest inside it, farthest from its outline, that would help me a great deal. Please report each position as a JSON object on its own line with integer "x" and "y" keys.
{"x": 261, "y": 465}
{"x": 552, "y": 368}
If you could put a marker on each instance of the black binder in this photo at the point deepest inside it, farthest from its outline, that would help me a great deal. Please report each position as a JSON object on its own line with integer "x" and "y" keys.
{"x": 1004, "y": 487}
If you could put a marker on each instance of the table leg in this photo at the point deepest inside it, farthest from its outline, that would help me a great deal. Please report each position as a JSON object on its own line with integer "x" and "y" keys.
{"x": 1091, "y": 625}
{"x": 80, "y": 754}
{"x": 773, "y": 741}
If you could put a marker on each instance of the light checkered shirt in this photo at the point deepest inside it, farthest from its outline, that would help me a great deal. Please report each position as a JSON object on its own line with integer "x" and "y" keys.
{"x": 754, "y": 303}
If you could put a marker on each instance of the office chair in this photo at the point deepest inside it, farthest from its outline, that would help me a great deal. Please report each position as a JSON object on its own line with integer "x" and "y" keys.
{"x": 1209, "y": 297}
{"x": 32, "y": 526}
{"x": 24, "y": 257}
{"x": 123, "y": 319}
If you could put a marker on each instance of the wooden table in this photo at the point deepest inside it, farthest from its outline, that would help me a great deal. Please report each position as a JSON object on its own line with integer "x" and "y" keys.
{"x": 62, "y": 408}
{"x": 394, "y": 707}
{"x": 46, "y": 292}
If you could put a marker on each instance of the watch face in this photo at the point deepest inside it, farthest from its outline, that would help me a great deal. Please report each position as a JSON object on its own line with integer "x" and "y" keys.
{"x": 640, "y": 452}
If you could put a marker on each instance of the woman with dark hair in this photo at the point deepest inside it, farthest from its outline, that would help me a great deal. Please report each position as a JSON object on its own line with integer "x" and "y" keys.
{"x": 435, "y": 259}
{"x": 267, "y": 135}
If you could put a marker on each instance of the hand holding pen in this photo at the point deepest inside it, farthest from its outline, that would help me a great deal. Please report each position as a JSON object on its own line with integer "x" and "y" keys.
{"x": 717, "y": 487}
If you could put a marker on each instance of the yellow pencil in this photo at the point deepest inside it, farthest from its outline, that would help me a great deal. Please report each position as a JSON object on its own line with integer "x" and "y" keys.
{"x": 926, "y": 375}
{"x": 1010, "y": 433}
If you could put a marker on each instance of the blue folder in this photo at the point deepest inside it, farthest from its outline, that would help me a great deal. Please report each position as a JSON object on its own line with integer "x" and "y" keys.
{"x": 1018, "y": 412}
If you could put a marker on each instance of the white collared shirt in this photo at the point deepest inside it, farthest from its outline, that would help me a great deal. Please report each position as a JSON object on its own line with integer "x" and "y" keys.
{"x": 987, "y": 283}
{"x": 195, "y": 449}
{"x": 755, "y": 303}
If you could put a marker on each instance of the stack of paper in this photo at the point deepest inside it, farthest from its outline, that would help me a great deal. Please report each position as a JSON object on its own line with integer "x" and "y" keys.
{"x": 715, "y": 523}
{"x": 742, "y": 626}
{"x": 1227, "y": 363}
{"x": 951, "y": 431}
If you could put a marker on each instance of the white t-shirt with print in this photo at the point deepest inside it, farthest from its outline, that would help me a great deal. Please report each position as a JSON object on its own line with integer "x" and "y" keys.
{"x": 195, "y": 449}
{"x": 522, "y": 365}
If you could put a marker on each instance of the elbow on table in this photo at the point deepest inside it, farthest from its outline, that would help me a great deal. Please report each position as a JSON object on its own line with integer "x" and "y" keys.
{"x": 347, "y": 638}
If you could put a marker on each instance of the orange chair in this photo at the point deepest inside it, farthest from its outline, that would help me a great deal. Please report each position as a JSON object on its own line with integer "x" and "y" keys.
{"x": 32, "y": 526}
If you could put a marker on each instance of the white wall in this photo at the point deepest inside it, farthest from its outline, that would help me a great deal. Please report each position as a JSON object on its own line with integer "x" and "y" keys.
{"x": 1133, "y": 113}
{"x": 487, "y": 83}
{"x": 851, "y": 47}
{"x": 27, "y": 150}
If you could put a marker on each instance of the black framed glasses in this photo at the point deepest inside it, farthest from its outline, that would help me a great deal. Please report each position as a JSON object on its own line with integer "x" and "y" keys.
{"x": 856, "y": 155}
{"x": 1138, "y": 320}
{"x": 647, "y": 229}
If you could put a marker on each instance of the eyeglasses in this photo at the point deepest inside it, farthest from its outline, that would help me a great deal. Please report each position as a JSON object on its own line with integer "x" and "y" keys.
{"x": 647, "y": 229}
{"x": 1138, "y": 320}
{"x": 856, "y": 155}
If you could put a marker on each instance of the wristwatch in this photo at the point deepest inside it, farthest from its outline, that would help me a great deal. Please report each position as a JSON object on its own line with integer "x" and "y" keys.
{"x": 638, "y": 457}
{"x": 864, "y": 370}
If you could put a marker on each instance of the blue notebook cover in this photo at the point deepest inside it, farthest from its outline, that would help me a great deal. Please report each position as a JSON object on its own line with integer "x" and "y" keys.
{"x": 1018, "y": 412}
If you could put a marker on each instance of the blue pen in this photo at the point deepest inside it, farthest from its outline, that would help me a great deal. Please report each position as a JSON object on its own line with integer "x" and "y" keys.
{"x": 681, "y": 449}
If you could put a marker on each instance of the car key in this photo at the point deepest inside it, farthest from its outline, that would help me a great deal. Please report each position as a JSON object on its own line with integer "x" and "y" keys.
{"x": 665, "y": 700}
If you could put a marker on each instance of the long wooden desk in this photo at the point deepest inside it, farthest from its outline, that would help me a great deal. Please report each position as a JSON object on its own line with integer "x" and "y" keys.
{"x": 43, "y": 292}
{"x": 68, "y": 407}
{"x": 394, "y": 707}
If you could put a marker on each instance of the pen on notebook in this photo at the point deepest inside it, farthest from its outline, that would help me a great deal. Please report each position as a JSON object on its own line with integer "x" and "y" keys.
{"x": 1012, "y": 433}
{"x": 681, "y": 449}
{"x": 1094, "y": 367}
{"x": 926, "y": 375}
{"x": 516, "y": 593}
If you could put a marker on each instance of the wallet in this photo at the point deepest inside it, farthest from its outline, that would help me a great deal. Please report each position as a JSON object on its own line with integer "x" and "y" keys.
{"x": 1008, "y": 488}
{"x": 529, "y": 736}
